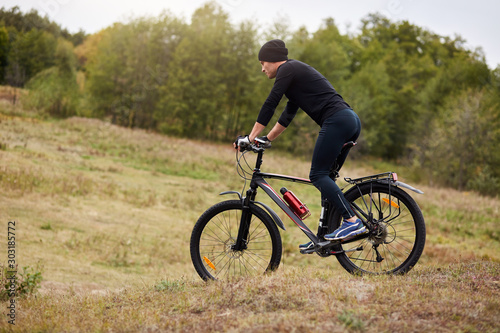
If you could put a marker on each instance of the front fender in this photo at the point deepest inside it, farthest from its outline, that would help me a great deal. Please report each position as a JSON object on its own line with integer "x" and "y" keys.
{"x": 273, "y": 214}
{"x": 232, "y": 192}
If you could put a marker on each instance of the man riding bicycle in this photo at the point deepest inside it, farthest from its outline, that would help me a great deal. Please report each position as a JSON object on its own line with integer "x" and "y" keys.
{"x": 310, "y": 91}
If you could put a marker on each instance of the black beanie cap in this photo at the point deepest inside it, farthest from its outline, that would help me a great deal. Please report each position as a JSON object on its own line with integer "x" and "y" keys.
{"x": 273, "y": 51}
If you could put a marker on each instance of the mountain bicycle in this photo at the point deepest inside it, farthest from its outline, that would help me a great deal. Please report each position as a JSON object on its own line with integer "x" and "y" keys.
{"x": 241, "y": 237}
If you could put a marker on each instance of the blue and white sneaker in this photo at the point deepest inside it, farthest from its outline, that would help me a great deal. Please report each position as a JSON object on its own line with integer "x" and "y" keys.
{"x": 306, "y": 246}
{"x": 347, "y": 230}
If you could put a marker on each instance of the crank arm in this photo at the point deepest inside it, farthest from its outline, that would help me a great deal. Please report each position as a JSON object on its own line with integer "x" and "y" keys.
{"x": 346, "y": 251}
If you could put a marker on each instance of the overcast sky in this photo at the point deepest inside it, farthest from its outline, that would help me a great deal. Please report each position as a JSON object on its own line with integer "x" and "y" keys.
{"x": 476, "y": 21}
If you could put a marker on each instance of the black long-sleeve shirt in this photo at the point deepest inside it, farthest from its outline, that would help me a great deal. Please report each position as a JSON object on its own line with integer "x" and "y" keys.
{"x": 305, "y": 88}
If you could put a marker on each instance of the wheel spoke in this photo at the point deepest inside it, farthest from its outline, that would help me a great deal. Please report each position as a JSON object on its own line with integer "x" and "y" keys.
{"x": 217, "y": 237}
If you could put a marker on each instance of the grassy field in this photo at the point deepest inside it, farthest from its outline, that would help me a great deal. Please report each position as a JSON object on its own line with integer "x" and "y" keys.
{"x": 105, "y": 213}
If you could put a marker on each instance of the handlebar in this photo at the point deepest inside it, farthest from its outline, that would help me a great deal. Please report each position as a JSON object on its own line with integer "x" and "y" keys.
{"x": 257, "y": 146}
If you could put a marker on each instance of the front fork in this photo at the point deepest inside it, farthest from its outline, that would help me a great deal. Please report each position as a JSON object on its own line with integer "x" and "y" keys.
{"x": 246, "y": 217}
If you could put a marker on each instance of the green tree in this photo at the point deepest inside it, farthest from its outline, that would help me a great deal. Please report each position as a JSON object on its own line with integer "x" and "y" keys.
{"x": 207, "y": 78}
{"x": 278, "y": 29}
{"x": 455, "y": 71}
{"x": 463, "y": 152}
{"x": 127, "y": 67}
{"x": 54, "y": 90}
{"x": 325, "y": 51}
{"x": 30, "y": 45}
{"x": 4, "y": 51}
{"x": 367, "y": 94}
{"x": 29, "y": 54}
{"x": 243, "y": 96}
{"x": 25, "y": 22}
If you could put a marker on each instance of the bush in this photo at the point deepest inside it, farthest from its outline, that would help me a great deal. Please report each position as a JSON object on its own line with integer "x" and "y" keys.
{"x": 485, "y": 182}
{"x": 21, "y": 283}
{"x": 463, "y": 151}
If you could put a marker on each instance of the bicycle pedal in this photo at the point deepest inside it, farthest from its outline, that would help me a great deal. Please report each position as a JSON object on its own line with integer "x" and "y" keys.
{"x": 319, "y": 246}
{"x": 314, "y": 248}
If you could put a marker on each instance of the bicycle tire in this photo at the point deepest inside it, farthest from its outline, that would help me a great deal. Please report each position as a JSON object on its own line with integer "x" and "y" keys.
{"x": 216, "y": 231}
{"x": 402, "y": 242}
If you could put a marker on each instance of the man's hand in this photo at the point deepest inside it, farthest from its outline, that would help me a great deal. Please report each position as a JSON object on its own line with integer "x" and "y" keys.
{"x": 263, "y": 141}
{"x": 241, "y": 142}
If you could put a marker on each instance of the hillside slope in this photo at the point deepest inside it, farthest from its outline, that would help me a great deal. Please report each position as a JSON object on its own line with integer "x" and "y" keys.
{"x": 100, "y": 208}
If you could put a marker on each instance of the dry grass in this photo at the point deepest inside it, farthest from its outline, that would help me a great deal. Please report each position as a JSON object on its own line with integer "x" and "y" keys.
{"x": 108, "y": 212}
{"x": 462, "y": 297}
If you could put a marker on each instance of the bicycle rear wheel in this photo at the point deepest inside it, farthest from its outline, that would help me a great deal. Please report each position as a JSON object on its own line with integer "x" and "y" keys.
{"x": 214, "y": 236}
{"x": 396, "y": 244}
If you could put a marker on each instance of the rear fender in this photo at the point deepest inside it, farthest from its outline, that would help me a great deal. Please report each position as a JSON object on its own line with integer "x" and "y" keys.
{"x": 401, "y": 184}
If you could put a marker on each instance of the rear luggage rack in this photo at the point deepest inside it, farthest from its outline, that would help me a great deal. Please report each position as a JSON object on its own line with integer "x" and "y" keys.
{"x": 387, "y": 176}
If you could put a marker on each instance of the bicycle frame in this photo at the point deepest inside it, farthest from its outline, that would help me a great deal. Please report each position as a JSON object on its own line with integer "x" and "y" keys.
{"x": 258, "y": 180}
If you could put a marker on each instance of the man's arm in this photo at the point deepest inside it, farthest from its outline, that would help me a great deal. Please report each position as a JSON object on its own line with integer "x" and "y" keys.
{"x": 276, "y": 131}
{"x": 284, "y": 78}
{"x": 257, "y": 129}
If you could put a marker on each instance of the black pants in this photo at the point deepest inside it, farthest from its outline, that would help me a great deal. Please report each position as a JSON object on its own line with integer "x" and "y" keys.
{"x": 340, "y": 128}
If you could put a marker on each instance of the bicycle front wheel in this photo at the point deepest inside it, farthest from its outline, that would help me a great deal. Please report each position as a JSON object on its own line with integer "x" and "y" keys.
{"x": 398, "y": 237}
{"x": 214, "y": 236}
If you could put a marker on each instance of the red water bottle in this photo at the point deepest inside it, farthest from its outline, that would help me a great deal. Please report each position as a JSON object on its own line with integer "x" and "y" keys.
{"x": 298, "y": 207}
